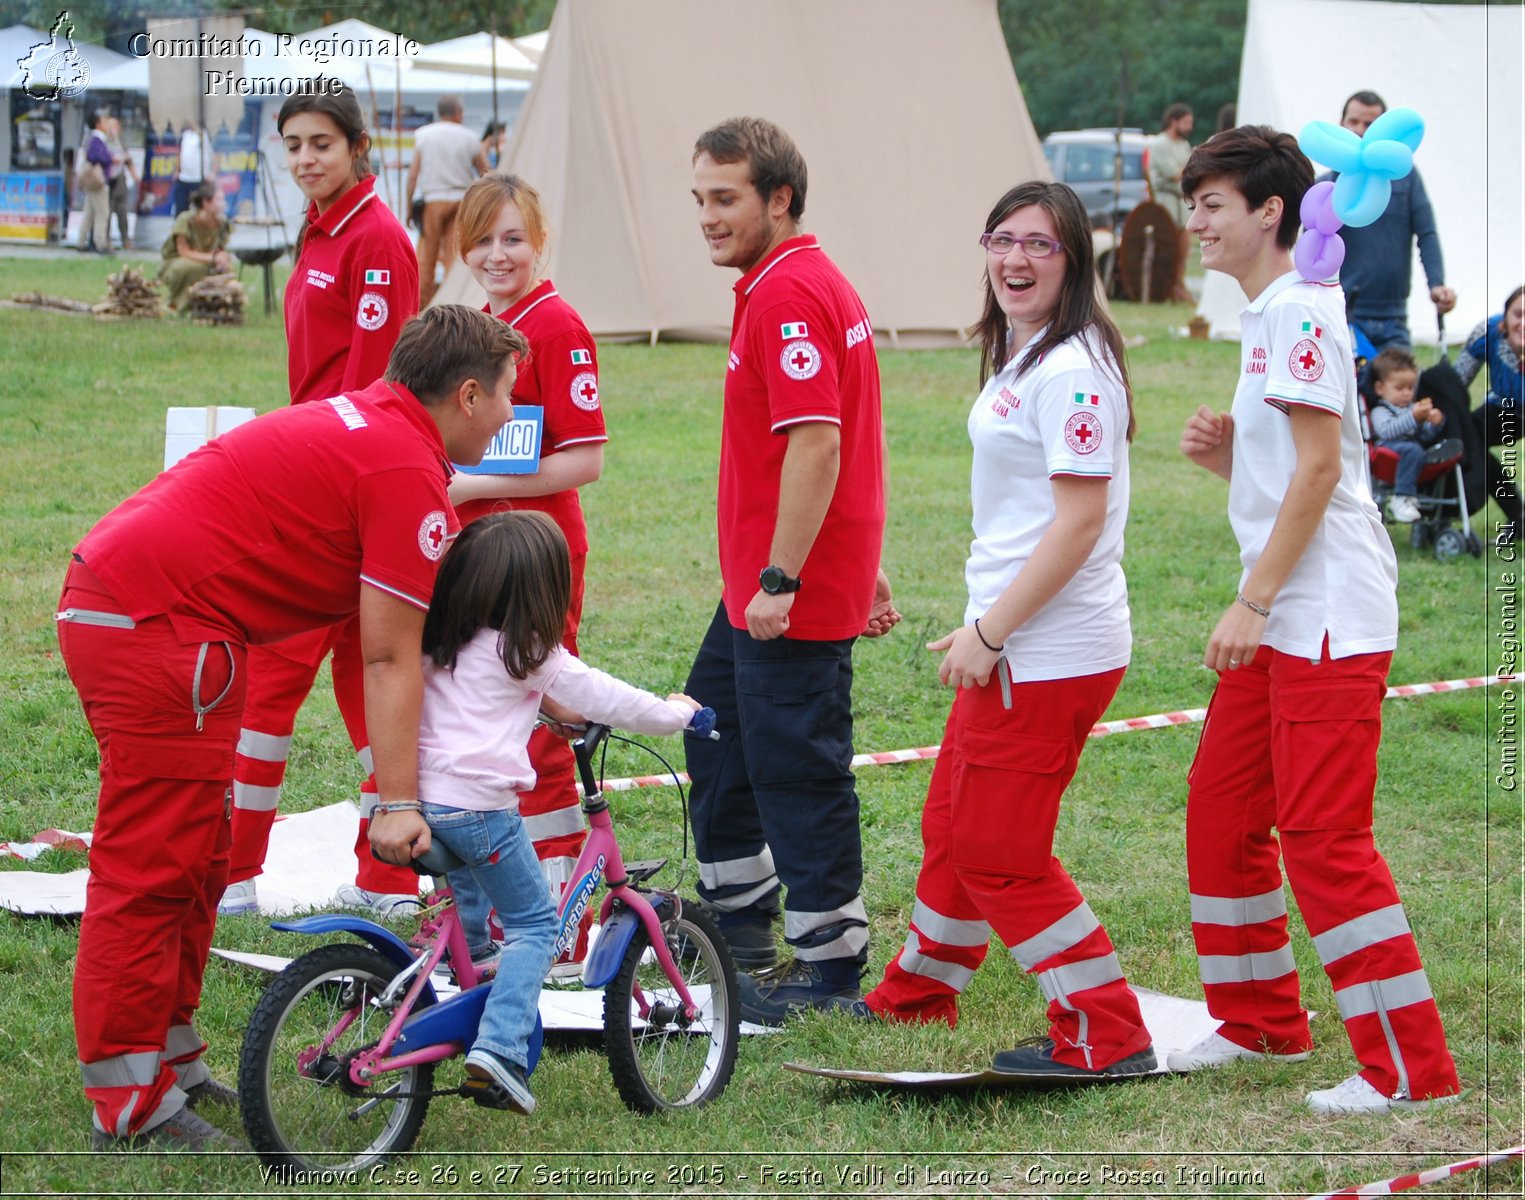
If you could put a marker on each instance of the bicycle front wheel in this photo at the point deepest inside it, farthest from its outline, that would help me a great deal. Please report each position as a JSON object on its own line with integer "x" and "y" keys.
{"x": 299, "y": 1105}
{"x": 659, "y": 1058}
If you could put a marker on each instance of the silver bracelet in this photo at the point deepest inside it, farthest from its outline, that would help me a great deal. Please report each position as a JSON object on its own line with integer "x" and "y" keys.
{"x": 1252, "y": 606}
{"x": 399, "y": 806}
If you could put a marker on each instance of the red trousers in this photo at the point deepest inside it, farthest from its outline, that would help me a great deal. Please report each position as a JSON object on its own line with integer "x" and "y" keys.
{"x": 1293, "y": 744}
{"x": 988, "y": 863}
{"x": 159, "y": 857}
{"x": 280, "y": 676}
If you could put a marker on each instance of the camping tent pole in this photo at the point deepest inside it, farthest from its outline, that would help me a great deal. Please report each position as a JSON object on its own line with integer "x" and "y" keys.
{"x": 370, "y": 86}
{"x": 402, "y": 197}
{"x": 494, "y": 32}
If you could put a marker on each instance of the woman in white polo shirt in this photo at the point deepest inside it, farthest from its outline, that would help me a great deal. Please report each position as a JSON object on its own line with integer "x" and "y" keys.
{"x": 1302, "y": 654}
{"x": 1044, "y": 647}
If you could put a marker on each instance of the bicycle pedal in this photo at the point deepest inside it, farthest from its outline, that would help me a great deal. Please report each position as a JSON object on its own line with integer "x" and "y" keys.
{"x": 485, "y": 1093}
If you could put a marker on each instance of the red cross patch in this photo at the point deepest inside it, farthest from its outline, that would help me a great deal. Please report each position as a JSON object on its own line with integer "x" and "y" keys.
{"x": 585, "y": 391}
{"x": 1082, "y": 433}
{"x": 371, "y": 313}
{"x": 432, "y": 534}
{"x": 800, "y": 360}
{"x": 1306, "y": 360}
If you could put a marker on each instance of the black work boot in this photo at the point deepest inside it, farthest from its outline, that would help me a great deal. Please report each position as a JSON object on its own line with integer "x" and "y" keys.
{"x": 799, "y": 985}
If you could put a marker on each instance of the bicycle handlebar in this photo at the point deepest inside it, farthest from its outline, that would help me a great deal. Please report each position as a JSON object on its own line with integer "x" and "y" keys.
{"x": 592, "y": 735}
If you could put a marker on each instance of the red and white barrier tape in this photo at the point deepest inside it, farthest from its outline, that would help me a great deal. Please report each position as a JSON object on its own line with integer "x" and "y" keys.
{"x": 1189, "y": 716}
{"x": 1403, "y": 1183}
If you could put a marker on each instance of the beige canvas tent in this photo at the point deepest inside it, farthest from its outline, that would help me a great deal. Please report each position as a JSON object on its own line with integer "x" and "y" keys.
{"x": 909, "y": 117}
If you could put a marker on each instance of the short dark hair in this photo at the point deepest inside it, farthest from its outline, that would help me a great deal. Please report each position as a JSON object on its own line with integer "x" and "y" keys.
{"x": 445, "y": 345}
{"x": 1080, "y": 306}
{"x": 510, "y": 572}
{"x": 770, "y": 153}
{"x": 1261, "y": 162}
{"x": 1370, "y": 99}
{"x": 1394, "y": 358}
{"x": 203, "y": 194}
{"x": 1174, "y": 113}
{"x": 1512, "y": 297}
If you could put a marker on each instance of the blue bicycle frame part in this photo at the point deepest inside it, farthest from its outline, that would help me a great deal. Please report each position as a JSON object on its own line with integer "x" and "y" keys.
{"x": 452, "y": 1020}
{"x": 457, "y": 1020}
{"x": 614, "y": 937}
{"x": 379, "y": 936}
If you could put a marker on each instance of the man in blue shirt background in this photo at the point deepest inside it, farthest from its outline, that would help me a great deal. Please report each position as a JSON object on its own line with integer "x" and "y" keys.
{"x": 1375, "y": 274}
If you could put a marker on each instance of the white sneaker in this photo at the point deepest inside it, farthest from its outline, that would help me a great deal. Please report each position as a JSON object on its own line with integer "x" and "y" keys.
{"x": 384, "y": 906}
{"x": 240, "y": 898}
{"x": 1356, "y": 1095}
{"x": 1404, "y": 509}
{"x": 1214, "y": 1050}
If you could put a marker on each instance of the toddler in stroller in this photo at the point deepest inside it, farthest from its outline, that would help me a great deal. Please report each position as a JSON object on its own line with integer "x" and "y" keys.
{"x": 1426, "y": 485}
{"x": 1409, "y": 429}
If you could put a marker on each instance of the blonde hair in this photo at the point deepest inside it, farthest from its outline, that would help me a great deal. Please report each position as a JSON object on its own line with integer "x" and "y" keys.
{"x": 485, "y": 199}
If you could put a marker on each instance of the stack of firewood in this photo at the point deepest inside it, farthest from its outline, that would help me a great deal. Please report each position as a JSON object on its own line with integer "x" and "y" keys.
{"x": 218, "y": 299}
{"x": 132, "y": 294}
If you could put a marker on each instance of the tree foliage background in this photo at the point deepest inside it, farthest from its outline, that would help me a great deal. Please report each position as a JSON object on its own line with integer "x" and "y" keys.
{"x": 1081, "y": 63}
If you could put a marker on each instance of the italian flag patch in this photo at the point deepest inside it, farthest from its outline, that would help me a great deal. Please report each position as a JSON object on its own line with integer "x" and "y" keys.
{"x": 1310, "y": 327}
{"x": 1090, "y": 399}
{"x": 794, "y": 329}
{"x": 581, "y": 358}
{"x": 378, "y": 277}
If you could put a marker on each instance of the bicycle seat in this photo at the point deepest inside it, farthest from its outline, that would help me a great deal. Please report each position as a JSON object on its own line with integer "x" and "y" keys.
{"x": 437, "y": 860}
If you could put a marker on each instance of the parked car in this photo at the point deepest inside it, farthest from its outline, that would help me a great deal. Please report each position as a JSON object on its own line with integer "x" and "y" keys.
{"x": 1086, "y": 160}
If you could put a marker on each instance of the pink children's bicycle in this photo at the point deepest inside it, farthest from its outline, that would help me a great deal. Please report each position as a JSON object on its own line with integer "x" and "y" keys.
{"x": 339, "y": 1057}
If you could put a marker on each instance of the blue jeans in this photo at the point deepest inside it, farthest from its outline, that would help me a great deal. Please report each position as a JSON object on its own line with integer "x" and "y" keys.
{"x": 1385, "y": 332}
{"x": 1410, "y": 462}
{"x": 503, "y": 866}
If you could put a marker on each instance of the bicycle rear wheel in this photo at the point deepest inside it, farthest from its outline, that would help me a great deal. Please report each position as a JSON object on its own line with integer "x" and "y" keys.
{"x": 300, "y": 1108}
{"x": 662, "y": 1060}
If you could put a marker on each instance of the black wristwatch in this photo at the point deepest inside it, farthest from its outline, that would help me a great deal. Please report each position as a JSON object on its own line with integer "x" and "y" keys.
{"x": 774, "y": 581}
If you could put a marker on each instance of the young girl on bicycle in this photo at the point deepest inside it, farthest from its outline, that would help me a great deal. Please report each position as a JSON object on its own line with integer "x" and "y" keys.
{"x": 492, "y": 651}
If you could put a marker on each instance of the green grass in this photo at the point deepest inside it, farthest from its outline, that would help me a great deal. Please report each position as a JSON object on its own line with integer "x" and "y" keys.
{"x": 81, "y": 426}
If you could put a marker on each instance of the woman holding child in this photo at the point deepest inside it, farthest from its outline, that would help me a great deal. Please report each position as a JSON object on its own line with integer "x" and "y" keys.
{"x": 1302, "y": 654}
{"x": 1045, "y": 644}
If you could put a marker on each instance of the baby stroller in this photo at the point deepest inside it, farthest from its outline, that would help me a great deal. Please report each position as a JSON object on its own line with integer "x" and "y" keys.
{"x": 1444, "y": 490}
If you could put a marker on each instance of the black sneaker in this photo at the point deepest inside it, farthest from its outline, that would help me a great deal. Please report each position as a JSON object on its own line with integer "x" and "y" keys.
{"x": 212, "y": 1093}
{"x": 495, "y": 1082}
{"x": 183, "y": 1131}
{"x": 797, "y": 986}
{"x": 1036, "y": 1057}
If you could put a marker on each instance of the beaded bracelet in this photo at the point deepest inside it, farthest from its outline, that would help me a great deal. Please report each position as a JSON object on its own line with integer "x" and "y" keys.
{"x": 399, "y": 806}
{"x": 1252, "y": 606}
{"x": 981, "y": 636}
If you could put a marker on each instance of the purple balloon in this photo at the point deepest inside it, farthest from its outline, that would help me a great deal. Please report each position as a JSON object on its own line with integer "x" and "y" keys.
{"x": 1318, "y": 256}
{"x": 1317, "y": 209}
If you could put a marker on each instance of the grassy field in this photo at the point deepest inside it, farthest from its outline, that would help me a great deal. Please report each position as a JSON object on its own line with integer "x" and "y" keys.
{"x": 81, "y": 426}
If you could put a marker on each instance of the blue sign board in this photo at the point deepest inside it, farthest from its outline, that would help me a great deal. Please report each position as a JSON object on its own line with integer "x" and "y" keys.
{"x": 515, "y": 450}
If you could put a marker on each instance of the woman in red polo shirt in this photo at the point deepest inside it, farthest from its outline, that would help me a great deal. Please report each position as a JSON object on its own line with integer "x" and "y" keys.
{"x": 354, "y": 286}
{"x": 503, "y": 236}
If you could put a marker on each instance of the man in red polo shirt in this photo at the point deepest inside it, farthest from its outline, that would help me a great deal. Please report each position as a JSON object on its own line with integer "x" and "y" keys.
{"x": 801, "y": 520}
{"x": 295, "y": 521}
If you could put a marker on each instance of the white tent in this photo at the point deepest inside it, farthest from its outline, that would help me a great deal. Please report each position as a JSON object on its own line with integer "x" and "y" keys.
{"x": 477, "y": 54}
{"x": 1462, "y": 68}
{"x": 911, "y": 130}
